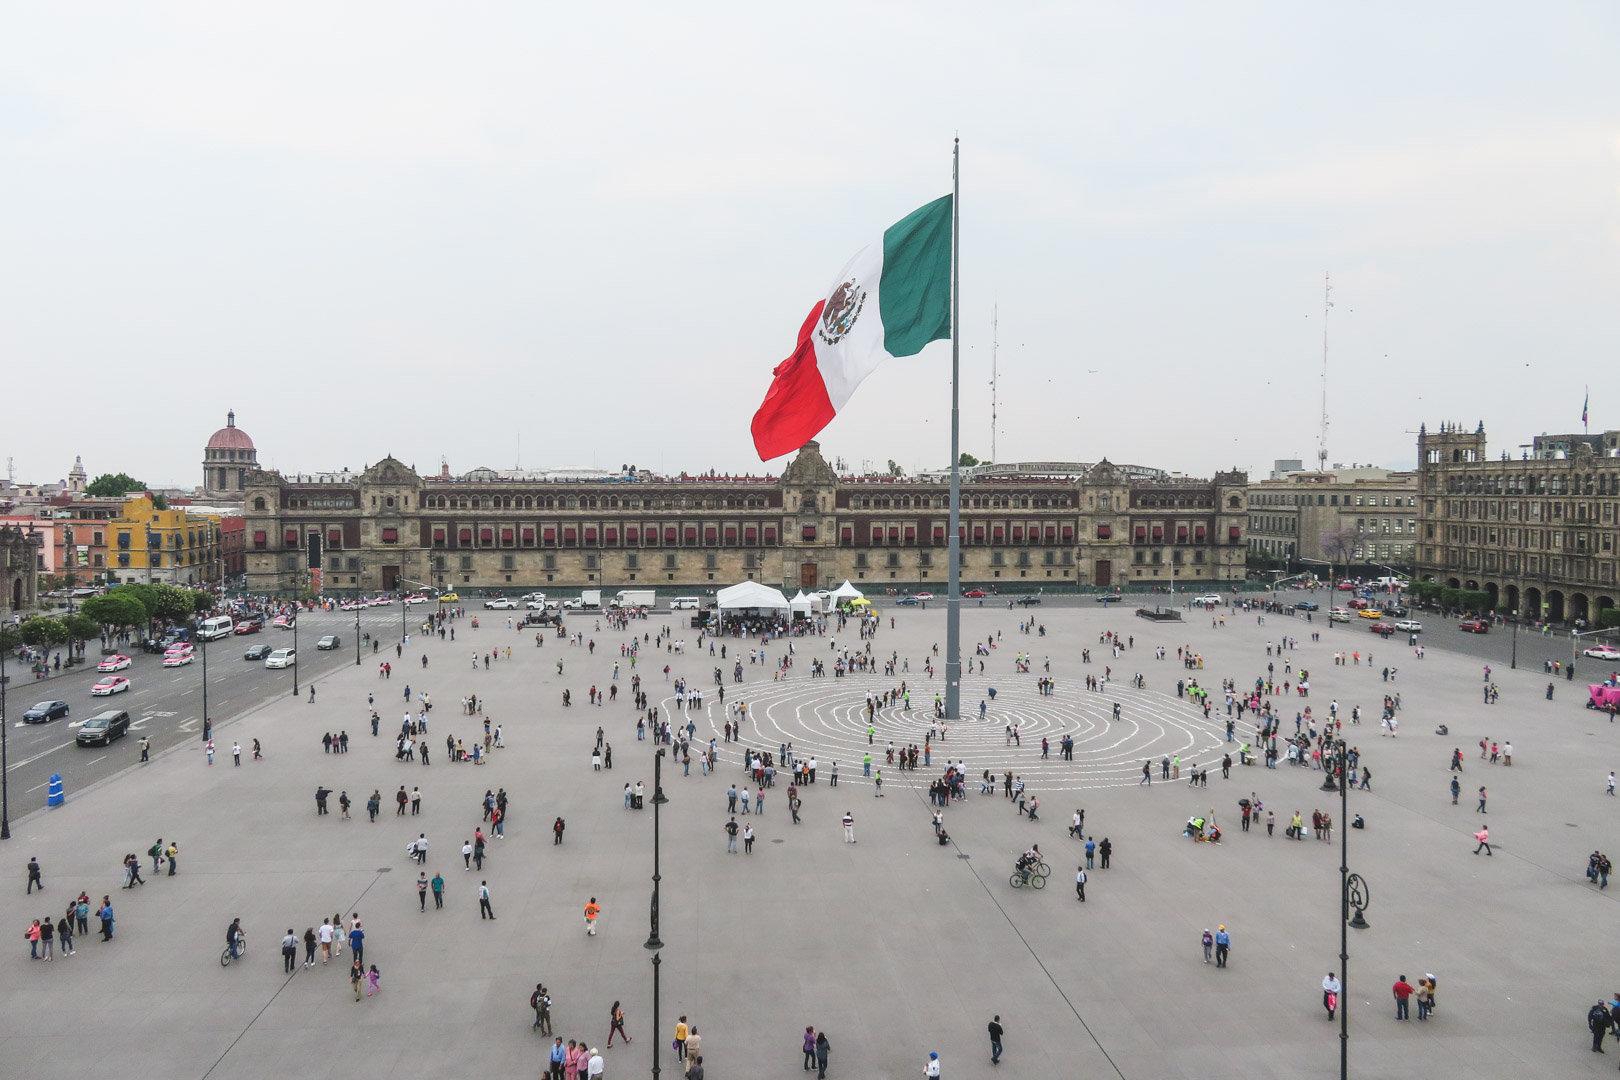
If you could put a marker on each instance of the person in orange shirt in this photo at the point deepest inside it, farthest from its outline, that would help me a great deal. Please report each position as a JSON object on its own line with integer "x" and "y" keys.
{"x": 591, "y": 912}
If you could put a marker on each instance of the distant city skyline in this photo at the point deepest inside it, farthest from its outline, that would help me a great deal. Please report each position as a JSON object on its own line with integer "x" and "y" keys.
{"x": 595, "y": 231}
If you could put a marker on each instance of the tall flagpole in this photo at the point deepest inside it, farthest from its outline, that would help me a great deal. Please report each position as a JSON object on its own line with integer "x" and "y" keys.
{"x": 953, "y": 598}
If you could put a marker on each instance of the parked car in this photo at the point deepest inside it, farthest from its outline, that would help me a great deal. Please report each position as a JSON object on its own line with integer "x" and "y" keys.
{"x": 573, "y": 603}
{"x": 281, "y": 658}
{"x": 1109, "y": 598}
{"x": 258, "y": 652}
{"x": 115, "y": 662}
{"x": 974, "y": 594}
{"x": 1475, "y": 626}
{"x": 328, "y": 643}
{"x": 112, "y": 684}
{"x": 44, "y": 712}
{"x": 104, "y": 727}
{"x": 1603, "y": 652}
{"x": 908, "y": 601}
{"x": 1411, "y": 626}
{"x": 500, "y": 603}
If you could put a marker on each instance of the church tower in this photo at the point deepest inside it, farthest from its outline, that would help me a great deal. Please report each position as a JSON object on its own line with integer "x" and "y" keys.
{"x": 227, "y": 459}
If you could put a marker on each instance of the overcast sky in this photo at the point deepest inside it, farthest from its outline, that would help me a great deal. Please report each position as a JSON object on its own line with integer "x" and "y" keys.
{"x": 592, "y": 230}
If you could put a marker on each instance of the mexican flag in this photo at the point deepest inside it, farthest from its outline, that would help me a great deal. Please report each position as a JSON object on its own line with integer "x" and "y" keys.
{"x": 891, "y": 299}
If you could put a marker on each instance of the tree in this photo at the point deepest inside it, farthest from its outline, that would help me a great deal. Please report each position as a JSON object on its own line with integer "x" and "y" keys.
{"x": 1609, "y": 618}
{"x": 119, "y": 609}
{"x": 44, "y": 632}
{"x": 967, "y": 460}
{"x": 202, "y": 602}
{"x": 160, "y": 502}
{"x": 113, "y": 485}
{"x": 173, "y": 604}
{"x": 82, "y": 627}
{"x": 895, "y": 469}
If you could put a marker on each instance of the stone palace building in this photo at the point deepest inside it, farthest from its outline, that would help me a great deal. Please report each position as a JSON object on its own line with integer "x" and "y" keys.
{"x": 1022, "y": 528}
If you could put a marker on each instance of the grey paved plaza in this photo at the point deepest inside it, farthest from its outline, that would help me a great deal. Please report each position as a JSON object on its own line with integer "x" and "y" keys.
{"x": 893, "y": 945}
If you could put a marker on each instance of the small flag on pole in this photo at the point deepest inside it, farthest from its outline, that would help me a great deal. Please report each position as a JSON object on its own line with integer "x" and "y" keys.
{"x": 1584, "y": 404}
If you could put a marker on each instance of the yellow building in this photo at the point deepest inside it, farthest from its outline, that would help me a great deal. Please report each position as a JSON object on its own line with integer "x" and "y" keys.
{"x": 174, "y": 547}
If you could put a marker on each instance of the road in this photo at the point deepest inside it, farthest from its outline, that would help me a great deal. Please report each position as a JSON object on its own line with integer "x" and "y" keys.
{"x": 166, "y": 704}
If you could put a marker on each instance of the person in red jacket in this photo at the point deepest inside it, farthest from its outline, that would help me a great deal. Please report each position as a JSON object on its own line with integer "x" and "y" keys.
{"x": 1403, "y": 991}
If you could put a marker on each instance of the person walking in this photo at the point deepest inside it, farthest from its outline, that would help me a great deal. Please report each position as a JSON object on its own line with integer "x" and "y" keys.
{"x": 438, "y": 890}
{"x": 540, "y": 1001}
{"x": 309, "y": 947}
{"x": 731, "y": 836}
{"x": 1208, "y": 941}
{"x": 809, "y": 1048}
{"x": 849, "y": 827}
{"x": 484, "y": 910}
{"x": 1223, "y": 945}
{"x": 995, "y": 1040}
{"x": 1480, "y": 809}
{"x": 681, "y": 1032}
{"x": 422, "y": 890}
{"x": 616, "y": 1024}
{"x": 592, "y": 912}
{"x": 748, "y": 839}
{"x": 325, "y": 935}
{"x": 823, "y": 1048}
{"x": 357, "y": 974}
{"x": 1330, "y": 994}
{"x": 1080, "y": 883}
{"x": 931, "y": 1070}
{"x": 357, "y": 940}
{"x": 289, "y": 951}
{"x": 1597, "y": 1021}
{"x": 35, "y": 875}
{"x": 1484, "y": 838}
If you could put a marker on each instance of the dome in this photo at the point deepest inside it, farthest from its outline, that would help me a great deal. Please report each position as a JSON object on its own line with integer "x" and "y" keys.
{"x": 230, "y": 437}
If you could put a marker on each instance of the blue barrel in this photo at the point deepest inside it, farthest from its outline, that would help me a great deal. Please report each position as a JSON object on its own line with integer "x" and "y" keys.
{"x": 56, "y": 796}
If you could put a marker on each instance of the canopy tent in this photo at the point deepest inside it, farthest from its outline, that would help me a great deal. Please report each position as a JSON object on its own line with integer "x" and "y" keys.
{"x": 846, "y": 591}
{"x": 803, "y": 603}
{"x": 751, "y": 595}
{"x": 860, "y": 601}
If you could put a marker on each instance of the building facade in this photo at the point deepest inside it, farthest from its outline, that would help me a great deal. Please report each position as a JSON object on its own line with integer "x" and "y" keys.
{"x": 1537, "y": 533}
{"x": 390, "y": 528}
{"x": 1357, "y": 520}
{"x": 19, "y": 570}
{"x": 174, "y": 546}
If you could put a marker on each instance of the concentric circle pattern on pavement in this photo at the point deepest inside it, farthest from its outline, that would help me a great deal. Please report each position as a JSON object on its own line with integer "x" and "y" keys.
{"x": 825, "y": 718}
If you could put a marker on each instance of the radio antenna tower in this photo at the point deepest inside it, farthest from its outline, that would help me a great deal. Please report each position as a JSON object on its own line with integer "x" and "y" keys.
{"x": 1327, "y": 305}
{"x": 995, "y": 317}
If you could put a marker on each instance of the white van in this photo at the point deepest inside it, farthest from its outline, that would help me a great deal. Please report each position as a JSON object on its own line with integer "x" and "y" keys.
{"x": 685, "y": 603}
{"x": 218, "y": 627}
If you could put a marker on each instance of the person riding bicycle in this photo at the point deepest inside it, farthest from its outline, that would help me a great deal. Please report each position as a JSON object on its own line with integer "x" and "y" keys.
{"x": 234, "y": 937}
{"x": 1028, "y": 861}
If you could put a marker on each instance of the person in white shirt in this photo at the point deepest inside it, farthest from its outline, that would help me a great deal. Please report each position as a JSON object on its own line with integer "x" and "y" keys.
{"x": 1330, "y": 994}
{"x": 594, "y": 1067}
{"x": 324, "y": 934}
{"x": 931, "y": 1070}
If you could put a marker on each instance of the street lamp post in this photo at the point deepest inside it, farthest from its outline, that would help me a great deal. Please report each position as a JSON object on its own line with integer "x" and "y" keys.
{"x": 653, "y": 941}
{"x": 298, "y": 617}
{"x": 5, "y": 722}
{"x": 1354, "y": 895}
{"x": 206, "y": 729}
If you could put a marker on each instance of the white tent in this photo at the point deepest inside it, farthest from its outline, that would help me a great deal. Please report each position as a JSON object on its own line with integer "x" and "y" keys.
{"x": 804, "y": 603}
{"x": 751, "y": 594}
{"x": 846, "y": 591}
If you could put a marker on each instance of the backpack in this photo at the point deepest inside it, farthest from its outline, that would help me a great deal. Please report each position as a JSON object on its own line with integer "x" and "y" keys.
{"x": 154, "y": 851}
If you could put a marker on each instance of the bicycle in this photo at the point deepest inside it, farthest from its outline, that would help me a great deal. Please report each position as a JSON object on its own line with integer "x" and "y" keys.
{"x": 1034, "y": 879}
{"x": 234, "y": 952}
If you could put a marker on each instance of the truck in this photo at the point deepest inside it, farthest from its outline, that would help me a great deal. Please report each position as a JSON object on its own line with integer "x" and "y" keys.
{"x": 635, "y": 598}
{"x": 591, "y": 599}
